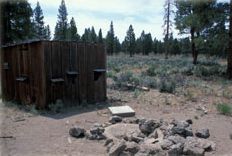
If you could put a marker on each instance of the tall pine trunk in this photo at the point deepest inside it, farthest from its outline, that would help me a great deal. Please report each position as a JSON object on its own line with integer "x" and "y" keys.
{"x": 193, "y": 46}
{"x": 229, "y": 59}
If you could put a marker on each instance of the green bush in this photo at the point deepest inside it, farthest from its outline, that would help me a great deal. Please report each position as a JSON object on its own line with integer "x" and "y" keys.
{"x": 167, "y": 85}
{"x": 148, "y": 81}
{"x": 224, "y": 109}
{"x": 151, "y": 71}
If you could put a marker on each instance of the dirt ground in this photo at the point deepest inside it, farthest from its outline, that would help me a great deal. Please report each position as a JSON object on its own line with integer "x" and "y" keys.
{"x": 45, "y": 134}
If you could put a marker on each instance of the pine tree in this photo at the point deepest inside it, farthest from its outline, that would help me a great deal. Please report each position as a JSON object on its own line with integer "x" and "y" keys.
{"x": 16, "y": 21}
{"x": 142, "y": 39}
{"x": 130, "y": 40}
{"x": 168, "y": 8}
{"x": 61, "y": 29}
{"x": 38, "y": 22}
{"x": 117, "y": 45}
{"x": 47, "y": 32}
{"x": 110, "y": 40}
{"x": 72, "y": 31}
{"x": 147, "y": 43}
{"x": 194, "y": 17}
{"x": 100, "y": 39}
{"x": 93, "y": 35}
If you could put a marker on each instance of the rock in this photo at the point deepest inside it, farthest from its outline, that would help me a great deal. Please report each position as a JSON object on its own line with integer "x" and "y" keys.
{"x": 120, "y": 131}
{"x": 193, "y": 151}
{"x": 117, "y": 148}
{"x": 96, "y": 133}
{"x": 132, "y": 147}
{"x": 124, "y": 153}
{"x": 189, "y": 121}
{"x": 151, "y": 141}
{"x": 197, "y": 146}
{"x": 202, "y": 133}
{"x": 151, "y": 149}
{"x": 182, "y": 128}
{"x": 131, "y": 120}
{"x": 166, "y": 144}
{"x": 188, "y": 131}
{"x": 177, "y": 139}
{"x": 175, "y": 150}
{"x": 77, "y": 132}
{"x": 135, "y": 136}
{"x": 115, "y": 119}
{"x": 108, "y": 141}
{"x": 148, "y": 126}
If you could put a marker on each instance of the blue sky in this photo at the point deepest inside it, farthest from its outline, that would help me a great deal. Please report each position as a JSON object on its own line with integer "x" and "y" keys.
{"x": 142, "y": 14}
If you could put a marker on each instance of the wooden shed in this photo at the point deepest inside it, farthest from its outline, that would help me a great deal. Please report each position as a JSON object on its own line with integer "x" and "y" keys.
{"x": 41, "y": 72}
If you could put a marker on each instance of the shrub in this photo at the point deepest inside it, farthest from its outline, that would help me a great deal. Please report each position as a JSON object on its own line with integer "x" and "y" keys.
{"x": 151, "y": 71}
{"x": 56, "y": 107}
{"x": 148, "y": 81}
{"x": 110, "y": 74}
{"x": 167, "y": 85}
{"x": 224, "y": 109}
{"x": 124, "y": 79}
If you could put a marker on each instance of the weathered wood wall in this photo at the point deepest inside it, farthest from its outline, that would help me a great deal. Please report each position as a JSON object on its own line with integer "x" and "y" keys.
{"x": 45, "y": 71}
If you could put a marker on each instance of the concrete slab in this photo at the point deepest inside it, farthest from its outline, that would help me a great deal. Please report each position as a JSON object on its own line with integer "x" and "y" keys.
{"x": 123, "y": 111}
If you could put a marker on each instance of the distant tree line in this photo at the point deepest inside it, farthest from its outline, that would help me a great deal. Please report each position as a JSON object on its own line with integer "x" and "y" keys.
{"x": 21, "y": 22}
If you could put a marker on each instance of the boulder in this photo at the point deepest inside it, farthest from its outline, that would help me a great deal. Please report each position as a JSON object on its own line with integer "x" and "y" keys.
{"x": 152, "y": 149}
{"x": 197, "y": 146}
{"x": 166, "y": 144}
{"x": 177, "y": 139}
{"x": 121, "y": 131}
{"x": 117, "y": 148}
{"x": 115, "y": 119}
{"x": 202, "y": 133}
{"x": 96, "y": 133}
{"x": 182, "y": 128}
{"x": 175, "y": 150}
{"x": 148, "y": 126}
{"x": 132, "y": 147}
{"x": 77, "y": 132}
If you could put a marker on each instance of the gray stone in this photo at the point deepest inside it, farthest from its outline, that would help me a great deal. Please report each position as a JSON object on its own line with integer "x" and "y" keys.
{"x": 182, "y": 128}
{"x": 166, "y": 144}
{"x": 123, "y": 111}
{"x": 96, "y": 133}
{"x": 115, "y": 119}
{"x": 121, "y": 130}
{"x": 188, "y": 131}
{"x": 117, "y": 148}
{"x": 202, "y": 133}
{"x": 108, "y": 141}
{"x": 175, "y": 150}
{"x": 177, "y": 139}
{"x": 132, "y": 147}
{"x": 131, "y": 120}
{"x": 191, "y": 148}
{"x": 152, "y": 149}
{"x": 124, "y": 153}
{"x": 148, "y": 126}
{"x": 77, "y": 132}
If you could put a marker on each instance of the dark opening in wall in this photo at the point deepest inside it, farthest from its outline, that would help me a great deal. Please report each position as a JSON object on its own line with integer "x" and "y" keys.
{"x": 98, "y": 73}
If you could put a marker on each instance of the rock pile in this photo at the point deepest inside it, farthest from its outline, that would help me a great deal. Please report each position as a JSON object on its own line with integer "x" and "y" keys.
{"x": 153, "y": 137}
{"x": 143, "y": 137}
